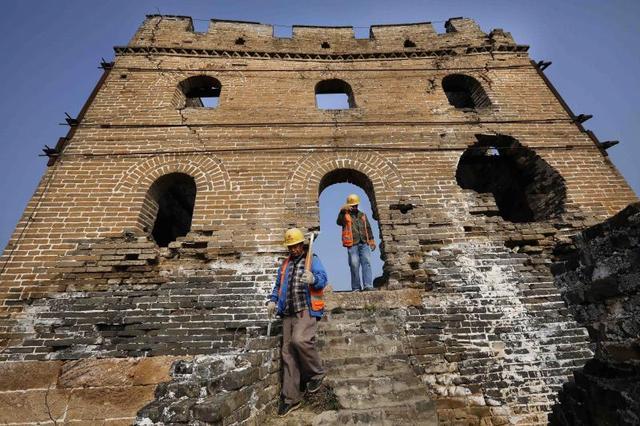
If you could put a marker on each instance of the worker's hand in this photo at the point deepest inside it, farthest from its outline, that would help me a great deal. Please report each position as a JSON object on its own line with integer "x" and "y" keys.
{"x": 271, "y": 309}
{"x": 308, "y": 278}
{"x": 372, "y": 246}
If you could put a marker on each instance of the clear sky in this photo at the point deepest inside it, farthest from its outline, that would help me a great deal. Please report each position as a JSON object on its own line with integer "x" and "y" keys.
{"x": 51, "y": 50}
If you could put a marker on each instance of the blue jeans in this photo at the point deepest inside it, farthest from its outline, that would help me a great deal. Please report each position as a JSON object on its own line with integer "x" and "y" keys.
{"x": 360, "y": 255}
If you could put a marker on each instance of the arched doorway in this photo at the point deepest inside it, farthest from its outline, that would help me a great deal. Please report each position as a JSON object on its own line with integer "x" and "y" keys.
{"x": 168, "y": 207}
{"x": 332, "y": 193}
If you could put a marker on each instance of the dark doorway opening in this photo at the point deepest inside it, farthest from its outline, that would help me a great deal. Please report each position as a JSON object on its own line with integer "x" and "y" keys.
{"x": 168, "y": 207}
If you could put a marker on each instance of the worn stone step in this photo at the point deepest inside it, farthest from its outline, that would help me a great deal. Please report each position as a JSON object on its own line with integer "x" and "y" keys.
{"x": 361, "y": 351}
{"x": 371, "y": 359}
{"x": 374, "y": 326}
{"x": 421, "y": 413}
{"x": 300, "y": 417}
{"x": 375, "y": 392}
{"x": 375, "y": 367}
{"x": 373, "y": 300}
{"x": 381, "y": 383}
{"x": 360, "y": 344}
{"x": 358, "y": 330}
{"x": 369, "y": 329}
{"x": 350, "y": 318}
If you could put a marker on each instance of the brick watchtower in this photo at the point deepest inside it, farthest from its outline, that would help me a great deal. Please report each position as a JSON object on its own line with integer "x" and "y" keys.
{"x": 155, "y": 232}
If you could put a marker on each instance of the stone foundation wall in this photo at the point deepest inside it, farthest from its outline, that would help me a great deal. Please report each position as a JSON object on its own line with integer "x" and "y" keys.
{"x": 106, "y": 391}
{"x": 225, "y": 389}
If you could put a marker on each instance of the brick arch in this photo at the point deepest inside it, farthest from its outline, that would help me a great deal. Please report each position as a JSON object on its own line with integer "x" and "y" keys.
{"x": 382, "y": 173}
{"x": 208, "y": 173}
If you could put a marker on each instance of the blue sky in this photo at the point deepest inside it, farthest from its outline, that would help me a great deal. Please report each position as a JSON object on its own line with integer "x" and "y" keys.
{"x": 51, "y": 50}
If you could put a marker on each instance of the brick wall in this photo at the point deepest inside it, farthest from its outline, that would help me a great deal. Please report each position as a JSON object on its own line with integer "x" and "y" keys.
{"x": 82, "y": 277}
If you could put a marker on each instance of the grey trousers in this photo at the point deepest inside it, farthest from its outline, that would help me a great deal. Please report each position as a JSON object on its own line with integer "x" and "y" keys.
{"x": 299, "y": 355}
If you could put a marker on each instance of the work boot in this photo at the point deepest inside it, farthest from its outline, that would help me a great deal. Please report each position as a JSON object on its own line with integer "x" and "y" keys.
{"x": 286, "y": 408}
{"x": 314, "y": 384}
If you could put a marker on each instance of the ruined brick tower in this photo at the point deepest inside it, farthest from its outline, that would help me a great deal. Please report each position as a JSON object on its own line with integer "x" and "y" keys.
{"x": 134, "y": 284}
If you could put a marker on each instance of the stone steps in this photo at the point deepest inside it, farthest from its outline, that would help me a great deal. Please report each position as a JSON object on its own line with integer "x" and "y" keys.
{"x": 367, "y": 395}
{"x": 368, "y": 370}
{"x": 416, "y": 413}
{"x": 405, "y": 414}
{"x": 361, "y": 351}
{"x": 372, "y": 367}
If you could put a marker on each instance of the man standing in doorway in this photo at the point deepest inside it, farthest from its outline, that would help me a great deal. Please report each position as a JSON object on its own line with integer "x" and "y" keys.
{"x": 297, "y": 298}
{"x": 358, "y": 239}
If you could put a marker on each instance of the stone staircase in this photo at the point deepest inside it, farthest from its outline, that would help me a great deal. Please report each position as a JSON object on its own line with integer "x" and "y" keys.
{"x": 370, "y": 379}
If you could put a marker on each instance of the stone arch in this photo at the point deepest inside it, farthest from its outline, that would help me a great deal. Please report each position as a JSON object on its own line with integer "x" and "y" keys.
{"x": 383, "y": 174}
{"x": 207, "y": 172}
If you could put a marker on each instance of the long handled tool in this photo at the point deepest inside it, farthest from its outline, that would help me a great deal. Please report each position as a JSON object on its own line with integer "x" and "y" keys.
{"x": 307, "y": 261}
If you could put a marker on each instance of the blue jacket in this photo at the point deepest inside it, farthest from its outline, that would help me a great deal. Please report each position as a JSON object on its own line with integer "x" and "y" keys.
{"x": 280, "y": 296}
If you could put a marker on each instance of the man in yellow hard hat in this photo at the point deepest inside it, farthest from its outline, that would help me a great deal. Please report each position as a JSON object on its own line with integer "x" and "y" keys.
{"x": 357, "y": 237}
{"x": 297, "y": 298}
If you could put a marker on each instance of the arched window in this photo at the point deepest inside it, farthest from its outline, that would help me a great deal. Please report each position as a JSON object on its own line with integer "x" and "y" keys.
{"x": 464, "y": 92}
{"x": 409, "y": 43}
{"x": 525, "y": 187}
{"x": 334, "y": 94}
{"x": 168, "y": 207}
{"x": 201, "y": 91}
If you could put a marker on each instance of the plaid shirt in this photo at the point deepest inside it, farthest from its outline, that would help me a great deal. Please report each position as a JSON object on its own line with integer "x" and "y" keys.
{"x": 296, "y": 300}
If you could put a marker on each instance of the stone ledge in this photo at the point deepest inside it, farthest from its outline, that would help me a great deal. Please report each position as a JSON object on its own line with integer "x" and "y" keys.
{"x": 28, "y": 375}
{"x": 115, "y": 372}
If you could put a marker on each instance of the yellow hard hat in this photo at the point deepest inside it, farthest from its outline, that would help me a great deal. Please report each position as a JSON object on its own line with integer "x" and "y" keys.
{"x": 353, "y": 199}
{"x": 293, "y": 236}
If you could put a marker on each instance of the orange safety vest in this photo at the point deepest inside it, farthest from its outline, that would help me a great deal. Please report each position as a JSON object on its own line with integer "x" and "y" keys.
{"x": 316, "y": 296}
{"x": 347, "y": 233}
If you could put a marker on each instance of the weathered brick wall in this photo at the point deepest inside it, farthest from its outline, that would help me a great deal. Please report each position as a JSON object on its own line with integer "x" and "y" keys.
{"x": 81, "y": 278}
{"x": 599, "y": 279}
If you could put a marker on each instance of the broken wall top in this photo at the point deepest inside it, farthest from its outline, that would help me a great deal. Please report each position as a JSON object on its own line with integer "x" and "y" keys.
{"x": 162, "y": 31}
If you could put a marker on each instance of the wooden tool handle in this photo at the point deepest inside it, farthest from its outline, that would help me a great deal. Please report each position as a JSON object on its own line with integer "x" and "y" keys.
{"x": 307, "y": 261}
